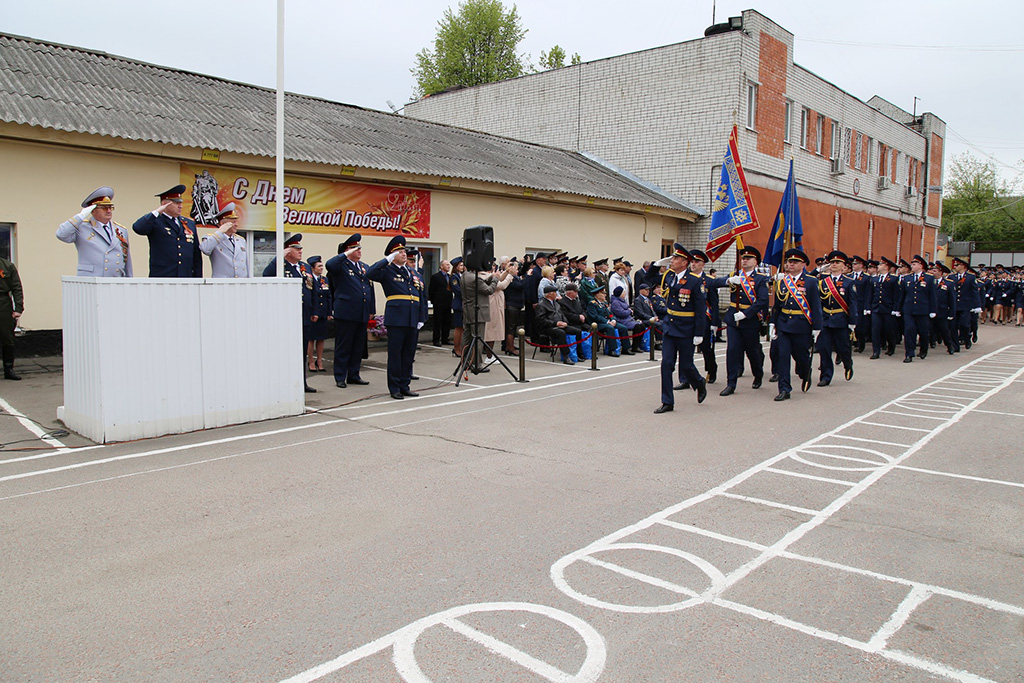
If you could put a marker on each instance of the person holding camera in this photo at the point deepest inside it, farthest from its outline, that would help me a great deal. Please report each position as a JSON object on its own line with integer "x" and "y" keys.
{"x": 477, "y": 287}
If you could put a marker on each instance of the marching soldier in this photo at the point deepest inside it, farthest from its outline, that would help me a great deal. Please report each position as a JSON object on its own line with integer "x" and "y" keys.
{"x": 968, "y": 303}
{"x": 685, "y": 326}
{"x": 401, "y": 314}
{"x": 748, "y": 302}
{"x": 863, "y": 284}
{"x": 12, "y": 305}
{"x": 945, "y": 314}
{"x": 173, "y": 240}
{"x": 884, "y": 311}
{"x": 227, "y": 252}
{"x": 102, "y": 244}
{"x": 353, "y": 305}
{"x": 698, "y": 259}
{"x": 840, "y": 313}
{"x": 795, "y": 321}
{"x": 919, "y": 305}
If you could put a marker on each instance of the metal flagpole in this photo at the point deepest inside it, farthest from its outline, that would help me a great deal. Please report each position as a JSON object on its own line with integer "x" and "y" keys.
{"x": 279, "y": 179}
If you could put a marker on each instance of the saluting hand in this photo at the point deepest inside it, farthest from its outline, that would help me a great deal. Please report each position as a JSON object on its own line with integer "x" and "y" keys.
{"x": 163, "y": 207}
{"x": 225, "y": 226}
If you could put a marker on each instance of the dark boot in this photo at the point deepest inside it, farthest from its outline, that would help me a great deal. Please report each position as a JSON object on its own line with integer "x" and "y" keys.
{"x": 9, "y": 372}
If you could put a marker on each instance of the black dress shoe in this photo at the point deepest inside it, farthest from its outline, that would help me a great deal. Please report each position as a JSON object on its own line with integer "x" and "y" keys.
{"x": 823, "y": 383}
{"x": 663, "y": 408}
{"x": 309, "y": 390}
{"x": 712, "y": 376}
{"x": 967, "y": 344}
{"x": 358, "y": 380}
{"x": 702, "y": 392}
{"x": 908, "y": 359}
{"x": 397, "y": 395}
{"x": 974, "y": 337}
{"x": 757, "y": 382}
{"x": 783, "y": 396}
{"x": 414, "y": 376}
{"x": 949, "y": 351}
{"x": 479, "y": 370}
{"x": 407, "y": 392}
{"x": 774, "y": 377}
{"x": 681, "y": 386}
{"x": 728, "y": 391}
{"x": 874, "y": 356}
{"x": 922, "y": 355}
{"x": 341, "y": 385}
{"x": 848, "y": 374}
{"x": 805, "y": 386}
{"x": 890, "y": 352}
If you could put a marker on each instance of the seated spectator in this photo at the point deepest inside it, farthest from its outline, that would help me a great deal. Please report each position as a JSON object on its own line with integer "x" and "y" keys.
{"x": 547, "y": 277}
{"x": 588, "y": 285}
{"x": 624, "y": 316}
{"x": 572, "y": 306}
{"x": 659, "y": 304}
{"x": 598, "y": 311}
{"x": 552, "y": 323}
{"x": 643, "y": 309}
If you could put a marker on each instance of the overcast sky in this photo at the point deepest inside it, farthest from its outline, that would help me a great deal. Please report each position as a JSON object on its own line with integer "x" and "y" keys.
{"x": 963, "y": 60}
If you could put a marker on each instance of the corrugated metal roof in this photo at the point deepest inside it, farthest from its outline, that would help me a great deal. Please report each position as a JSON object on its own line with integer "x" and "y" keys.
{"x": 78, "y": 90}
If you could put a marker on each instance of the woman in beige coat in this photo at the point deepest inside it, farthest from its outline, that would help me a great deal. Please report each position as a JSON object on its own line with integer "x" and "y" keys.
{"x": 494, "y": 330}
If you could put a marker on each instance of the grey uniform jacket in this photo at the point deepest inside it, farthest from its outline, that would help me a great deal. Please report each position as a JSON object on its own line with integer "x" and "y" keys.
{"x": 228, "y": 256}
{"x": 98, "y": 254}
{"x": 476, "y": 304}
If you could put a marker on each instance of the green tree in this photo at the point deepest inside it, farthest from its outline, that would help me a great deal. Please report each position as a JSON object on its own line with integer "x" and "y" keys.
{"x": 979, "y": 205}
{"x": 555, "y": 58}
{"x": 476, "y": 45}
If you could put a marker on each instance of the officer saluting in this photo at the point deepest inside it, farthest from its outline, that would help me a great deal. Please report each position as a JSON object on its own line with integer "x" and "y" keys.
{"x": 102, "y": 244}
{"x": 173, "y": 240}
{"x": 840, "y": 309}
{"x": 228, "y": 256}
{"x": 353, "y": 305}
{"x": 685, "y": 326}
{"x": 795, "y": 321}
{"x": 401, "y": 314}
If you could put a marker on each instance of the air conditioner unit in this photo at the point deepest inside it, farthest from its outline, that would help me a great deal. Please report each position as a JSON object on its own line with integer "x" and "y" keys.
{"x": 911, "y": 191}
{"x": 838, "y": 167}
{"x": 883, "y": 182}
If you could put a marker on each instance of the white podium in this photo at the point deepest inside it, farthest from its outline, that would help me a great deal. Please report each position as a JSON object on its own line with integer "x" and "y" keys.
{"x": 151, "y": 356}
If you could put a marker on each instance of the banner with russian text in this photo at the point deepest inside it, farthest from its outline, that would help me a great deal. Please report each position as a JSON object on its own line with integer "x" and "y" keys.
{"x": 311, "y": 204}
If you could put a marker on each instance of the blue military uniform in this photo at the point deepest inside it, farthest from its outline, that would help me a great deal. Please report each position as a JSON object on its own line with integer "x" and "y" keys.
{"x": 300, "y": 270}
{"x": 919, "y": 305}
{"x": 102, "y": 248}
{"x": 884, "y": 306}
{"x": 401, "y": 315}
{"x": 945, "y": 313}
{"x": 714, "y": 319}
{"x": 687, "y": 318}
{"x": 968, "y": 299}
{"x": 173, "y": 242}
{"x": 795, "y": 317}
{"x": 229, "y": 257}
{"x": 863, "y": 284}
{"x": 751, "y": 299}
{"x": 353, "y": 305}
{"x": 840, "y": 311}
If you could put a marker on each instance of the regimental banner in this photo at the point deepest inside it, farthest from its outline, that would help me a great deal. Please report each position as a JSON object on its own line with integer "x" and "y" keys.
{"x": 311, "y": 204}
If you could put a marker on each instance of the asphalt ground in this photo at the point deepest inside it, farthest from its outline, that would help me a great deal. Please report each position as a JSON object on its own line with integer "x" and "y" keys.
{"x": 872, "y": 530}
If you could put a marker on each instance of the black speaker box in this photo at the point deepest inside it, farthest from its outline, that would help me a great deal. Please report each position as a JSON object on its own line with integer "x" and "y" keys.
{"x": 478, "y": 247}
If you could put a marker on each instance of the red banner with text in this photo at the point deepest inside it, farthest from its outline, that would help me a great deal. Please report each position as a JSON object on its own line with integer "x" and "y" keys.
{"x": 311, "y": 204}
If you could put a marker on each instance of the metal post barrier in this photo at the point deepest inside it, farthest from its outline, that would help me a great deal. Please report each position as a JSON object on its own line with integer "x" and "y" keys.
{"x": 522, "y": 354}
{"x": 593, "y": 346}
{"x": 650, "y": 326}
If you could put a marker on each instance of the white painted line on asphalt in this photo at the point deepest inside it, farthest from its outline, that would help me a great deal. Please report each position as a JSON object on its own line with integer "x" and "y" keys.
{"x": 712, "y": 534}
{"x": 770, "y": 503}
{"x": 878, "y": 441}
{"x": 641, "y": 577}
{"x": 789, "y": 473}
{"x": 528, "y": 662}
{"x": 996, "y": 412}
{"x": 914, "y": 599}
{"x": 32, "y": 427}
{"x": 888, "y": 426}
{"x": 968, "y": 477}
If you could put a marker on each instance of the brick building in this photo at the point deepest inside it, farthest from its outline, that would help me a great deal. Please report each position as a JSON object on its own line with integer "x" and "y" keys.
{"x": 863, "y": 168}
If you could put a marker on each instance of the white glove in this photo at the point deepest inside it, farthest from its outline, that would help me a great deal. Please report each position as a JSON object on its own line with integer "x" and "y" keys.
{"x": 772, "y": 334}
{"x": 779, "y": 276}
{"x": 86, "y": 212}
{"x": 897, "y": 314}
{"x": 950, "y": 318}
{"x": 697, "y": 341}
{"x": 814, "y": 335}
{"x": 740, "y": 315}
{"x": 867, "y": 311}
{"x": 348, "y": 254}
{"x": 735, "y": 280}
{"x": 391, "y": 256}
{"x": 975, "y": 310}
{"x": 419, "y": 326}
{"x": 931, "y": 315}
{"x": 852, "y": 327}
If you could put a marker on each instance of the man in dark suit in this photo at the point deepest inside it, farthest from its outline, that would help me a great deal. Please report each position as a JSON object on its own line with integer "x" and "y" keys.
{"x": 884, "y": 309}
{"x": 551, "y": 321}
{"x": 919, "y": 306}
{"x": 173, "y": 240}
{"x": 572, "y": 306}
{"x": 439, "y": 291}
{"x": 353, "y": 305}
{"x": 795, "y": 321}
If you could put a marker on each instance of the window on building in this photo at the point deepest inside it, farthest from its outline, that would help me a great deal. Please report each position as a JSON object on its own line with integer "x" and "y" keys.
{"x": 820, "y": 134}
{"x": 432, "y": 258}
{"x": 805, "y": 115}
{"x": 871, "y": 155}
{"x": 751, "y": 104}
{"x": 858, "y": 157}
{"x": 837, "y": 140}
{"x": 6, "y": 238}
{"x": 883, "y": 160}
{"x": 901, "y": 168}
{"x": 788, "y": 126}
{"x": 263, "y": 247}
{"x": 847, "y": 145}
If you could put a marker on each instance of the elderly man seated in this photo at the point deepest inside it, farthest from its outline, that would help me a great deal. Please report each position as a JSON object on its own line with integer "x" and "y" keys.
{"x": 624, "y": 317}
{"x": 551, "y": 321}
{"x": 598, "y": 311}
{"x": 572, "y": 306}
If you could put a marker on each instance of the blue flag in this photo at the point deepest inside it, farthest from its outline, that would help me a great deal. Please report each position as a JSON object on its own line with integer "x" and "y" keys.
{"x": 787, "y": 231}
